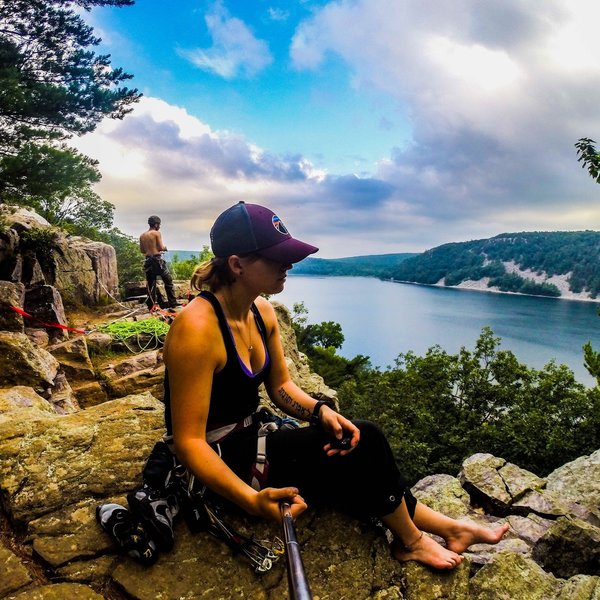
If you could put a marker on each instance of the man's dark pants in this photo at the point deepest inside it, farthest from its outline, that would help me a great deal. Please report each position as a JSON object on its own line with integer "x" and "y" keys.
{"x": 154, "y": 267}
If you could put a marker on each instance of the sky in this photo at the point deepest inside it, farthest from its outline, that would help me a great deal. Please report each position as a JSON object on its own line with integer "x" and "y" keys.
{"x": 368, "y": 126}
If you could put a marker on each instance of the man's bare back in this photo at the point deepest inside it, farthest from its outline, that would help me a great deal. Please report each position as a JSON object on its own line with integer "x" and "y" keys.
{"x": 151, "y": 243}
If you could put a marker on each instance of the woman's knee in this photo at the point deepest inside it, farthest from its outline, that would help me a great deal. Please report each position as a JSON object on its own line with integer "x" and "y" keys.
{"x": 369, "y": 431}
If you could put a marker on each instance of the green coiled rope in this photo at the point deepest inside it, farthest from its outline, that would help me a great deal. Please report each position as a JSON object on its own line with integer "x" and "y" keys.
{"x": 151, "y": 332}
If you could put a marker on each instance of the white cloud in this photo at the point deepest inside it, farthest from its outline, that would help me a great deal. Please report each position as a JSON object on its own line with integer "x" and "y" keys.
{"x": 497, "y": 93}
{"x": 235, "y": 50}
{"x": 160, "y": 159}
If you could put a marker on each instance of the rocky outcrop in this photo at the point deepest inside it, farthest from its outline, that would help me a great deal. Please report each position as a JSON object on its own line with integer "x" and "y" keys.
{"x": 75, "y": 431}
{"x": 34, "y": 253}
{"x": 57, "y": 468}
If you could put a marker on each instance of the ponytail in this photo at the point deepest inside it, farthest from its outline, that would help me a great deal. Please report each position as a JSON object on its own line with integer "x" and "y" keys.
{"x": 212, "y": 274}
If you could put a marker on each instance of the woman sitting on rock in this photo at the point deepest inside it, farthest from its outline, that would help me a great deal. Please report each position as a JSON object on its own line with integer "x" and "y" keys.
{"x": 219, "y": 350}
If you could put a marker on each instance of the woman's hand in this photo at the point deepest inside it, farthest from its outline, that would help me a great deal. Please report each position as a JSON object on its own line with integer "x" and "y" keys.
{"x": 266, "y": 503}
{"x": 337, "y": 426}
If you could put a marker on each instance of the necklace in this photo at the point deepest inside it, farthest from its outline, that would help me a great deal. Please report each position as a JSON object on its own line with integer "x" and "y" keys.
{"x": 237, "y": 328}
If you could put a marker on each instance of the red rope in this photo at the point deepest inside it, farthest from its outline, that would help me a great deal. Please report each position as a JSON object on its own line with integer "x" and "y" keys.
{"x": 53, "y": 325}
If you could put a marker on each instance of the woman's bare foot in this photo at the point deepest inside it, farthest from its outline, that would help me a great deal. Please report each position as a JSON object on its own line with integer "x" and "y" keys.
{"x": 467, "y": 533}
{"x": 428, "y": 552}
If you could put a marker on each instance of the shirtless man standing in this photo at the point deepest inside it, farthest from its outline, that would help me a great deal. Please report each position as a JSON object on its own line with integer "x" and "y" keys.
{"x": 151, "y": 246}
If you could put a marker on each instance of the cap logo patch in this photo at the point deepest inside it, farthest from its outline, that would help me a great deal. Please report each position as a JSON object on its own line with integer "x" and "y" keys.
{"x": 278, "y": 224}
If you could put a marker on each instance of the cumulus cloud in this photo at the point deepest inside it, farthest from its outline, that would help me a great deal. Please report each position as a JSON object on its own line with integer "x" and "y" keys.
{"x": 160, "y": 159}
{"x": 496, "y": 93}
{"x": 235, "y": 50}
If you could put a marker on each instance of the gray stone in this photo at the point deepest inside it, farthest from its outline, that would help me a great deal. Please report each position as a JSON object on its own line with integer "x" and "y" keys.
{"x": 481, "y": 478}
{"x": 44, "y": 303}
{"x": 11, "y": 294}
{"x": 544, "y": 503}
{"x": 519, "y": 481}
{"x": 95, "y": 452}
{"x": 570, "y": 547}
{"x": 511, "y": 576}
{"x": 444, "y": 494}
{"x": 530, "y": 528}
{"x": 577, "y": 481}
{"x": 59, "y": 591}
{"x": 23, "y": 364}
{"x": 14, "y": 573}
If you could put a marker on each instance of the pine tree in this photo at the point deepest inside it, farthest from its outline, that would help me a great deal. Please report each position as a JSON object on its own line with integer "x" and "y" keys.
{"x": 53, "y": 86}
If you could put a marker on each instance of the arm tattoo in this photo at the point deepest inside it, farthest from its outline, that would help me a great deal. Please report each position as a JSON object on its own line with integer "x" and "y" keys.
{"x": 295, "y": 406}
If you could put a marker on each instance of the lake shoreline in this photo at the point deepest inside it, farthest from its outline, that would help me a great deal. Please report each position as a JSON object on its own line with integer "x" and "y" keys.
{"x": 473, "y": 286}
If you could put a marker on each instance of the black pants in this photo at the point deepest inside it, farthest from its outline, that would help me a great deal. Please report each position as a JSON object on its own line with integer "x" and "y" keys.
{"x": 154, "y": 267}
{"x": 364, "y": 483}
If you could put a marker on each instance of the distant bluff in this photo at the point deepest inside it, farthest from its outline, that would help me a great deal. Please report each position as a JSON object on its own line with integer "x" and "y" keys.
{"x": 561, "y": 264}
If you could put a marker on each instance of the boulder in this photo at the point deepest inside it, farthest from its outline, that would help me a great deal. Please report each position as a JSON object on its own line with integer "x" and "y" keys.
{"x": 23, "y": 364}
{"x": 98, "y": 343}
{"x": 511, "y": 576}
{"x": 531, "y": 528}
{"x": 70, "y": 534}
{"x": 62, "y": 396}
{"x": 581, "y": 587}
{"x": 132, "y": 374}
{"x": 75, "y": 362}
{"x": 570, "y": 547}
{"x": 38, "y": 337}
{"x": 82, "y": 270}
{"x": 22, "y": 397}
{"x": 444, "y": 494}
{"x": 422, "y": 583}
{"x": 11, "y": 294}
{"x": 496, "y": 484}
{"x": 14, "y": 573}
{"x": 74, "y": 359}
{"x": 45, "y": 305}
{"x": 95, "y": 452}
{"x": 481, "y": 478}
{"x": 577, "y": 481}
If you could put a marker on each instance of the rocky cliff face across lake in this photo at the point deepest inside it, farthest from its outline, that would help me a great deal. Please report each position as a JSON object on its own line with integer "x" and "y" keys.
{"x": 78, "y": 417}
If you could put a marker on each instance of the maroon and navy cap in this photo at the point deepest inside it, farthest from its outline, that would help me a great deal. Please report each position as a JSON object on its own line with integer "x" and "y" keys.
{"x": 254, "y": 229}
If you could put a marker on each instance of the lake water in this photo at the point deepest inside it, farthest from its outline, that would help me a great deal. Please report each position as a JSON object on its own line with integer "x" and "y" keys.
{"x": 381, "y": 319}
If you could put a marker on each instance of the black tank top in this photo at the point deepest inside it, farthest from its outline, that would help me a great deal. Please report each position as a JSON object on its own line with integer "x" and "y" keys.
{"x": 234, "y": 393}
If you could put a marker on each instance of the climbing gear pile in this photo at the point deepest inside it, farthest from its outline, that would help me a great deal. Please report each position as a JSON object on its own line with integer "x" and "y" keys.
{"x": 129, "y": 534}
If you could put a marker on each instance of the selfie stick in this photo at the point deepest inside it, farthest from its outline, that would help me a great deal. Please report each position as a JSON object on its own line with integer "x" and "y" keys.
{"x": 297, "y": 581}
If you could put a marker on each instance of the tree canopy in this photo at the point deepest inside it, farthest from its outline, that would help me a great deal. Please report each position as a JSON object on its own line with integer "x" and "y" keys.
{"x": 53, "y": 86}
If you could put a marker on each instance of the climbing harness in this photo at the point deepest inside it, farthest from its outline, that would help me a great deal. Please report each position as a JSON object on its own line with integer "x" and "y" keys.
{"x": 201, "y": 509}
{"x": 266, "y": 422}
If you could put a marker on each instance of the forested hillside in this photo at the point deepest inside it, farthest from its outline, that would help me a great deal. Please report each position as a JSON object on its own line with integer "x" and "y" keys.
{"x": 497, "y": 262}
{"x": 372, "y": 265}
{"x": 575, "y": 255}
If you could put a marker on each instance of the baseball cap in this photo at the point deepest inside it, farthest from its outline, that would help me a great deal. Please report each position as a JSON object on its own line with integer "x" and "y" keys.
{"x": 254, "y": 229}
